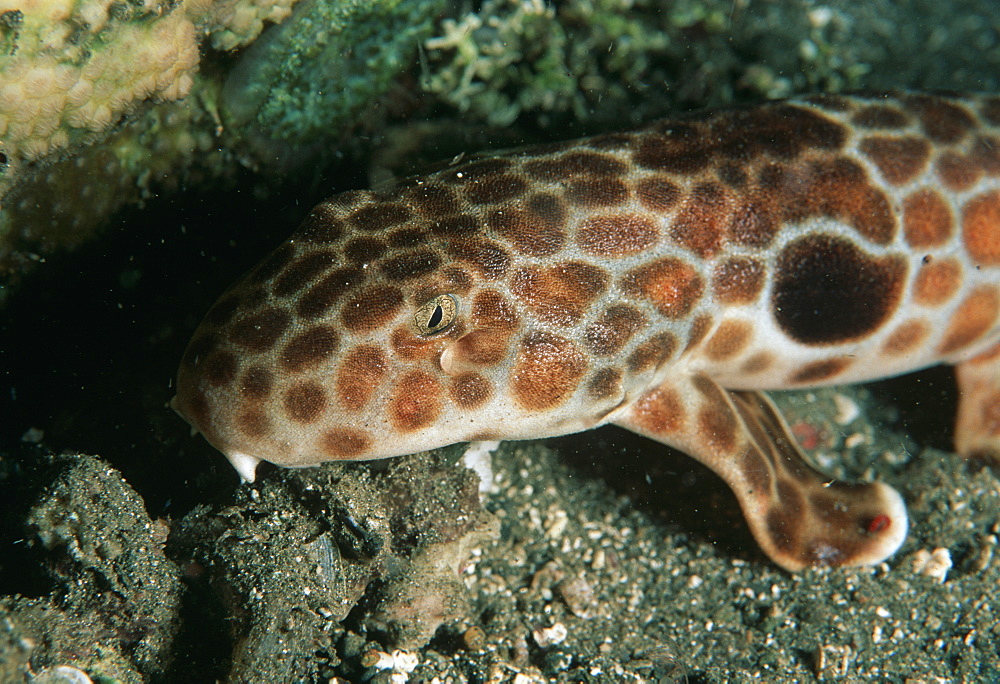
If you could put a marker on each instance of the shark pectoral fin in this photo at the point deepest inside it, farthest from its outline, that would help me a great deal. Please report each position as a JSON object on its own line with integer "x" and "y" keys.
{"x": 977, "y": 429}
{"x": 797, "y": 515}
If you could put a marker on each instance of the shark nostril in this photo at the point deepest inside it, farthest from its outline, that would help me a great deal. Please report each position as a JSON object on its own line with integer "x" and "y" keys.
{"x": 447, "y": 360}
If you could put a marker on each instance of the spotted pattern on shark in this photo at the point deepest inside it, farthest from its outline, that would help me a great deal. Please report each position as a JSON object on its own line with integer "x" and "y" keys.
{"x": 660, "y": 279}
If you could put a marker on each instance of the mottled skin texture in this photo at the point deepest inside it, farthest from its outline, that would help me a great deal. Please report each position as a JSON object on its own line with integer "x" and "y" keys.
{"x": 657, "y": 279}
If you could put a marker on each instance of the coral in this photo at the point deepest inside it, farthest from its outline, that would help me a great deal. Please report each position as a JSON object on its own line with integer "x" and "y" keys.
{"x": 322, "y": 69}
{"x": 73, "y": 69}
{"x": 231, "y": 24}
{"x": 160, "y": 151}
{"x": 613, "y": 63}
{"x": 579, "y": 57}
{"x": 105, "y": 97}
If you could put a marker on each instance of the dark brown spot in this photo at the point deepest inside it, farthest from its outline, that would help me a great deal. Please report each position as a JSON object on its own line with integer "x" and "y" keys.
{"x": 683, "y": 151}
{"x": 775, "y": 180}
{"x": 808, "y": 130}
{"x": 611, "y": 332}
{"x": 658, "y": 193}
{"x": 302, "y": 272}
{"x": 271, "y": 265}
{"x": 617, "y": 235}
{"x": 827, "y": 291}
{"x": 371, "y": 308}
{"x": 927, "y": 219}
{"x": 199, "y": 348}
{"x": 455, "y": 280}
{"x": 975, "y": 316}
{"x": 699, "y": 329}
{"x": 257, "y": 382}
{"x": 258, "y": 332}
{"x": 854, "y": 198}
{"x": 223, "y": 310}
{"x": 841, "y": 189}
{"x": 605, "y": 384}
{"x": 345, "y": 443}
{"x": 660, "y": 412}
{"x": 738, "y": 280}
{"x": 547, "y": 209}
{"x": 253, "y": 422}
{"x": 981, "y": 228}
{"x": 937, "y": 281}
{"x": 755, "y": 470}
{"x": 611, "y": 141}
{"x": 530, "y": 233}
{"x": 457, "y": 225}
{"x": 380, "y": 217}
{"x": 880, "y": 117}
{"x": 758, "y": 363}
{"x": 573, "y": 164}
{"x": 197, "y": 411}
{"x": 328, "y": 291}
{"x": 495, "y": 189}
{"x": 481, "y": 347}
{"x": 899, "y": 159}
{"x": 220, "y": 368}
{"x": 596, "y": 192}
{"x": 412, "y": 265}
{"x": 253, "y": 299}
{"x": 305, "y": 401}
{"x": 784, "y": 520}
{"x": 360, "y": 376}
{"x": 415, "y": 401}
{"x": 986, "y": 154}
{"x": 491, "y": 310}
{"x": 406, "y": 237}
{"x": 322, "y": 225}
{"x": 819, "y": 371}
{"x": 410, "y": 346}
{"x": 470, "y": 390}
{"x": 364, "y": 249}
{"x": 478, "y": 170}
{"x": 717, "y": 426}
{"x": 490, "y": 259}
{"x": 432, "y": 199}
{"x": 546, "y": 372}
{"x": 733, "y": 176}
{"x": 956, "y": 171}
{"x": 905, "y": 338}
{"x": 700, "y": 225}
{"x": 308, "y": 349}
{"x": 755, "y": 221}
{"x": 782, "y": 529}
{"x": 672, "y": 285}
{"x": 729, "y": 339}
{"x": 941, "y": 120}
{"x": 651, "y": 353}
{"x": 559, "y": 295}
{"x": 779, "y": 131}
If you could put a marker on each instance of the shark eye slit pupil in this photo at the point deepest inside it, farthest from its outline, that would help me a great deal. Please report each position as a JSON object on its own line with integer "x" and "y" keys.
{"x": 435, "y": 319}
{"x": 436, "y": 315}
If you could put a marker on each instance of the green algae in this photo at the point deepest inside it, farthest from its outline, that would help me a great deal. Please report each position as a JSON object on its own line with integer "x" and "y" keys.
{"x": 624, "y": 61}
{"x": 321, "y": 70}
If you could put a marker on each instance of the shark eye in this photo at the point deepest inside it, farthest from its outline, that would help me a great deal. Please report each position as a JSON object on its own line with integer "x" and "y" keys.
{"x": 436, "y": 315}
